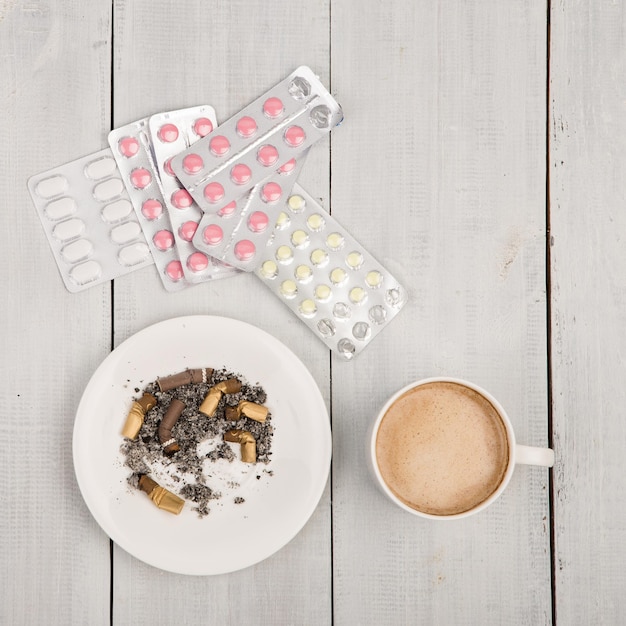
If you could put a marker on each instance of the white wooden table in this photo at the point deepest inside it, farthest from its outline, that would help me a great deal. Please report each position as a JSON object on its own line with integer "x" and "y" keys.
{"x": 481, "y": 160}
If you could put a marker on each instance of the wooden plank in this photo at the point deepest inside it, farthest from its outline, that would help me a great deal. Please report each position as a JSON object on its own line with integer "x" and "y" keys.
{"x": 587, "y": 263}
{"x": 223, "y": 54}
{"x": 439, "y": 170}
{"x": 54, "y": 95}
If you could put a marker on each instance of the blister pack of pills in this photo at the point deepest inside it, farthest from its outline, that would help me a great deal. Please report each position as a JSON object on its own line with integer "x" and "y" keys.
{"x": 89, "y": 221}
{"x": 171, "y": 133}
{"x": 250, "y": 146}
{"x": 238, "y": 233}
{"x": 327, "y": 278}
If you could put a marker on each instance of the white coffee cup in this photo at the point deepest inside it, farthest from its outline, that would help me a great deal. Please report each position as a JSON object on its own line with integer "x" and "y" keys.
{"x": 469, "y": 395}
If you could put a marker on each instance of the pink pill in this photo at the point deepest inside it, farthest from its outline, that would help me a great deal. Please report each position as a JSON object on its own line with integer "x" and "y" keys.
{"x": 294, "y": 136}
{"x": 193, "y": 163}
{"x": 273, "y": 107}
{"x": 219, "y": 145}
{"x": 168, "y": 133}
{"x": 258, "y": 221}
{"x": 246, "y": 126}
{"x": 188, "y": 230}
{"x": 227, "y": 210}
{"x": 151, "y": 209}
{"x": 197, "y": 262}
{"x": 212, "y": 234}
{"x": 271, "y": 192}
{"x": 140, "y": 178}
{"x": 167, "y": 166}
{"x": 213, "y": 192}
{"x": 174, "y": 270}
{"x": 267, "y": 155}
{"x": 202, "y": 126}
{"x": 163, "y": 239}
{"x": 181, "y": 199}
{"x": 244, "y": 250}
{"x": 128, "y": 146}
{"x": 240, "y": 174}
{"x": 287, "y": 168}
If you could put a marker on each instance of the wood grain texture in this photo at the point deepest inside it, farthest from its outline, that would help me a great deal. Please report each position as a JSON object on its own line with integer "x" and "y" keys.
{"x": 439, "y": 169}
{"x": 54, "y": 84}
{"x": 588, "y": 223}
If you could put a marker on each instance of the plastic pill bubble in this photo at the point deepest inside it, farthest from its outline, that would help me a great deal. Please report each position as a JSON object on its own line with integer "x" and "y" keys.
{"x": 77, "y": 251}
{"x": 213, "y": 234}
{"x": 294, "y": 136}
{"x": 282, "y": 221}
{"x": 303, "y": 273}
{"x": 52, "y": 186}
{"x": 151, "y": 209}
{"x": 227, "y": 210}
{"x": 128, "y": 146}
{"x": 393, "y": 297}
{"x": 269, "y": 269}
{"x": 342, "y": 311}
{"x": 299, "y": 88}
{"x": 284, "y": 254}
{"x": 197, "y": 262}
{"x": 108, "y": 189}
{"x": 354, "y": 260}
{"x": 213, "y": 192}
{"x": 319, "y": 257}
{"x": 361, "y": 331}
{"x": 86, "y": 272}
{"x": 288, "y": 288}
{"x": 174, "y": 270}
{"x": 338, "y": 276}
{"x": 126, "y": 232}
{"x": 58, "y": 209}
{"x": 271, "y": 192}
{"x": 374, "y": 279}
{"x": 117, "y": 211}
{"x": 219, "y": 145}
{"x": 258, "y": 221}
{"x": 357, "y": 295}
{"x": 69, "y": 229}
{"x": 299, "y": 239}
{"x": 315, "y": 222}
{"x": 322, "y": 293}
{"x": 273, "y": 107}
{"x": 193, "y": 163}
{"x": 168, "y": 133}
{"x": 181, "y": 199}
{"x": 377, "y": 314}
{"x": 188, "y": 230}
{"x": 334, "y": 241}
{"x": 326, "y": 327}
{"x": 163, "y": 240}
{"x": 267, "y": 155}
{"x": 167, "y": 167}
{"x": 101, "y": 168}
{"x": 296, "y": 203}
{"x": 133, "y": 254}
{"x": 202, "y": 126}
{"x": 346, "y": 348}
{"x": 240, "y": 174}
{"x": 140, "y": 178}
{"x": 320, "y": 116}
{"x": 246, "y": 126}
{"x": 308, "y": 308}
{"x": 288, "y": 167}
{"x": 244, "y": 250}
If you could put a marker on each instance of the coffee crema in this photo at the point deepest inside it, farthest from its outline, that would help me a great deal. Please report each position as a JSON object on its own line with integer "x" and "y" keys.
{"x": 442, "y": 448}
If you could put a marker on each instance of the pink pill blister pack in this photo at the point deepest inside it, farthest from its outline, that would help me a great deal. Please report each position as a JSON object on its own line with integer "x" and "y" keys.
{"x": 170, "y": 134}
{"x": 250, "y": 146}
{"x": 238, "y": 233}
{"x": 327, "y": 278}
{"x": 89, "y": 221}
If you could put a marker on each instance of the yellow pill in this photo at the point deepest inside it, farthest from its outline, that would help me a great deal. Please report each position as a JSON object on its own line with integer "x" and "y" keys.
{"x": 308, "y": 308}
{"x": 269, "y": 269}
{"x": 299, "y": 238}
{"x": 357, "y": 295}
{"x": 303, "y": 273}
{"x": 315, "y": 222}
{"x": 284, "y": 254}
{"x": 334, "y": 241}
{"x": 322, "y": 292}
{"x": 319, "y": 257}
{"x": 296, "y": 203}
{"x": 338, "y": 276}
{"x": 288, "y": 288}
{"x": 354, "y": 260}
{"x": 282, "y": 221}
{"x": 374, "y": 278}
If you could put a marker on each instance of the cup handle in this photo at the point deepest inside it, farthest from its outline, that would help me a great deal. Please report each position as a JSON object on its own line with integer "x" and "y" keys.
{"x": 529, "y": 455}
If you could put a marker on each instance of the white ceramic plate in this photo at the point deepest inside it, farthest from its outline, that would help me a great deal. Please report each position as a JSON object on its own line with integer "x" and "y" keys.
{"x": 232, "y": 536}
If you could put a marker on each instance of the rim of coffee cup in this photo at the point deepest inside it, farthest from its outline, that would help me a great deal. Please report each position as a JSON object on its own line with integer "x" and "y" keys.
{"x": 470, "y": 385}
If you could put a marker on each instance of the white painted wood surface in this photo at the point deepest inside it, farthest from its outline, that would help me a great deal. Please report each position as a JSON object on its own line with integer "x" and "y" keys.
{"x": 440, "y": 171}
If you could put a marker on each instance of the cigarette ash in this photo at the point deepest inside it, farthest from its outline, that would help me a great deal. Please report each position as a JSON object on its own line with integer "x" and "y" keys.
{"x": 184, "y": 471}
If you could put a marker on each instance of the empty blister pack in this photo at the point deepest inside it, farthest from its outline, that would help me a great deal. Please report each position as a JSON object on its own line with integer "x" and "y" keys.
{"x": 238, "y": 233}
{"x": 89, "y": 220}
{"x": 132, "y": 149}
{"x": 250, "y": 146}
{"x": 170, "y": 134}
{"x": 327, "y": 278}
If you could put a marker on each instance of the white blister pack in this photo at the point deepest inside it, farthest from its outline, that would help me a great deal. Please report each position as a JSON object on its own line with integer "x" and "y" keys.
{"x": 250, "y": 146}
{"x": 170, "y": 134}
{"x": 327, "y": 278}
{"x": 89, "y": 221}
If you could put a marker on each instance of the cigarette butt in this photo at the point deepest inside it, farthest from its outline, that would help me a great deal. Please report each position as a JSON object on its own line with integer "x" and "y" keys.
{"x": 163, "y": 498}
{"x": 232, "y": 385}
{"x": 136, "y": 414}
{"x": 170, "y": 418}
{"x": 254, "y": 411}
{"x": 188, "y": 377}
{"x": 247, "y": 441}
{"x": 210, "y": 402}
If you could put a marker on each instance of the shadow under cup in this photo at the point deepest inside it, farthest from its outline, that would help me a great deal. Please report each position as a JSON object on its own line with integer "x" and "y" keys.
{"x": 442, "y": 448}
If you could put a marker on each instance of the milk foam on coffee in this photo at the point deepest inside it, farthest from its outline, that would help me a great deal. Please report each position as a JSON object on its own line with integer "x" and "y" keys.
{"x": 442, "y": 448}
